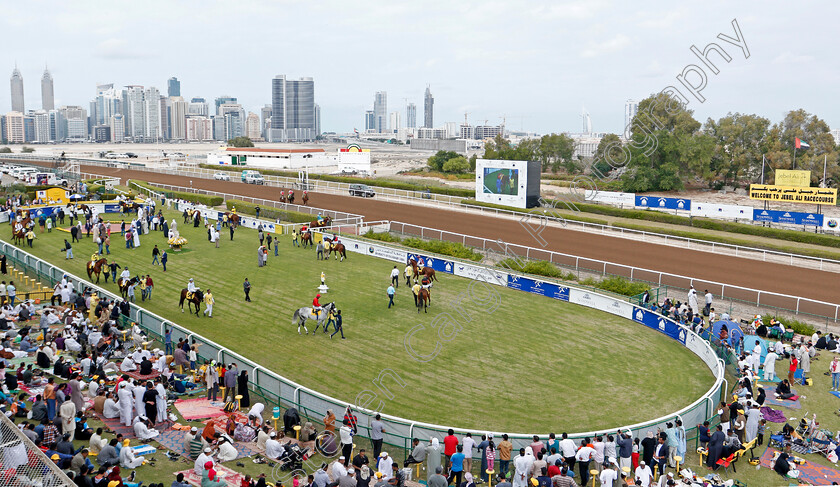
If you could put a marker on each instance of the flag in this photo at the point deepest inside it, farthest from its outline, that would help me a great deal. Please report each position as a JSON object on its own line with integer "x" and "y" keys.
{"x": 801, "y": 145}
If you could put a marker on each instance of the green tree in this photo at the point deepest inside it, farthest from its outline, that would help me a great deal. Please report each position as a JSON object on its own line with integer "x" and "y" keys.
{"x": 740, "y": 142}
{"x": 556, "y": 151}
{"x": 473, "y": 158}
{"x": 5, "y": 150}
{"x": 27, "y": 150}
{"x": 608, "y": 151}
{"x": 815, "y": 132}
{"x": 456, "y": 165}
{"x": 437, "y": 161}
{"x": 240, "y": 142}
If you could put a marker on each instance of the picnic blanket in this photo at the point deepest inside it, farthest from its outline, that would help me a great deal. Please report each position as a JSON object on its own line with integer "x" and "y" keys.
{"x": 771, "y": 399}
{"x": 834, "y": 393}
{"x": 136, "y": 374}
{"x": 116, "y": 426}
{"x": 174, "y": 440}
{"x": 233, "y": 479}
{"x": 773, "y": 415}
{"x": 812, "y": 473}
{"x": 199, "y": 408}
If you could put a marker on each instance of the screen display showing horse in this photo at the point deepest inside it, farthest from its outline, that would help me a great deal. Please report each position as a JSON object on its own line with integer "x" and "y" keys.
{"x": 501, "y": 181}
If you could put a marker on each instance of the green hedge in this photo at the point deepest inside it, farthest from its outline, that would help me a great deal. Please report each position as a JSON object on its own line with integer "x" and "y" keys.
{"x": 452, "y": 249}
{"x": 195, "y": 198}
{"x": 537, "y": 267}
{"x": 618, "y": 285}
{"x": 797, "y": 326}
{"x": 272, "y": 213}
{"x": 375, "y": 182}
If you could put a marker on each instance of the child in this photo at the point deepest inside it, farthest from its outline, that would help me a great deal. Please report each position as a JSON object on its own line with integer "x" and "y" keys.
{"x": 762, "y": 427}
{"x": 635, "y": 454}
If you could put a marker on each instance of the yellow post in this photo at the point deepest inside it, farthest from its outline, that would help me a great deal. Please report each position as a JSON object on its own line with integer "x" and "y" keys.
{"x": 146, "y": 345}
{"x": 275, "y": 423}
{"x": 417, "y": 472}
{"x": 297, "y": 431}
{"x": 593, "y": 474}
{"x": 490, "y": 473}
{"x": 655, "y": 473}
{"x": 239, "y": 402}
{"x": 677, "y": 459}
{"x": 223, "y": 389}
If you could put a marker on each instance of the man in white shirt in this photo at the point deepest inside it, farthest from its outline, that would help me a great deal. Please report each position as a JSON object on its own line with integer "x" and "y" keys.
{"x": 709, "y": 297}
{"x": 345, "y": 434}
{"x": 128, "y": 364}
{"x": 338, "y": 469}
{"x": 568, "y": 449}
{"x": 643, "y": 473}
{"x": 227, "y": 452}
{"x": 468, "y": 443}
{"x": 272, "y": 446}
{"x": 583, "y": 457}
{"x": 770, "y": 364}
{"x": 198, "y": 466}
{"x": 609, "y": 475}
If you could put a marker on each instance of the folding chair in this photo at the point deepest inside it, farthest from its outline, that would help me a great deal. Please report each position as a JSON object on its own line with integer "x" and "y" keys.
{"x": 728, "y": 462}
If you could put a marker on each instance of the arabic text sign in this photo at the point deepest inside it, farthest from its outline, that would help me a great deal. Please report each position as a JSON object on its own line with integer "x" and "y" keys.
{"x": 788, "y": 217}
{"x": 790, "y": 194}
{"x": 663, "y": 203}
{"x": 789, "y": 177}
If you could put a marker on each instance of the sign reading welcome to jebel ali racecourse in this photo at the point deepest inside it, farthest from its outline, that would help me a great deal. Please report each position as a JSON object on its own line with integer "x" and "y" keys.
{"x": 791, "y": 194}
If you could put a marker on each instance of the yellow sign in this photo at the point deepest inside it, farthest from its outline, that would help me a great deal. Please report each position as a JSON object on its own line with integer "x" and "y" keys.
{"x": 787, "y": 177}
{"x": 790, "y": 194}
{"x": 54, "y": 194}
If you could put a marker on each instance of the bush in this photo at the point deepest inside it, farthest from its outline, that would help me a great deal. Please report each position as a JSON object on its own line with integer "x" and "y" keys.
{"x": 452, "y": 249}
{"x": 27, "y": 150}
{"x": 5, "y": 150}
{"x": 620, "y": 285}
{"x": 382, "y": 237}
{"x": 272, "y": 213}
{"x": 536, "y": 267}
{"x": 193, "y": 197}
{"x": 456, "y": 165}
{"x": 535, "y": 211}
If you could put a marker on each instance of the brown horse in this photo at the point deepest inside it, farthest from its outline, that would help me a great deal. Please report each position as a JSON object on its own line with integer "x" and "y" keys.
{"x": 291, "y": 197}
{"x": 282, "y": 196}
{"x": 128, "y": 206}
{"x": 196, "y": 299}
{"x": 124, "y": 284}
{"x": 426, "y": 271}
{"x": 424, "y": 299}
{"x": 18, "y": 233}
{"x": 96, "y": 268}
{"x": 305, "y": 197}
{"x": 327, "y": 221}
{"x": 306, "y": 239}
{"x": 339, "y": 249}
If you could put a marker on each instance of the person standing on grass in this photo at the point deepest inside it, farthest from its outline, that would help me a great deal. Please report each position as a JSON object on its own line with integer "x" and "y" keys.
{"x": 338, "y": 327}
{"x": 377, "y": 428}
{"x": 834, "y": 368}
{"x": 11, "y": 292}
{"x": 391, "y": 291}
{"x": 395, "y": 277}
{"x": 68, "y": 250}
{"x": 246, "y": 286}
{"x": 276, "y": 247}
{"x": 155, "y": 256}
{"x": 209, "y": 301}
{"x": 164, "y": 258}
{"x": 294, "y": 238}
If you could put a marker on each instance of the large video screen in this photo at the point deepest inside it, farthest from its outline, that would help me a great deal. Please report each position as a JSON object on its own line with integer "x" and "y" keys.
{"x": 501, "y": 181}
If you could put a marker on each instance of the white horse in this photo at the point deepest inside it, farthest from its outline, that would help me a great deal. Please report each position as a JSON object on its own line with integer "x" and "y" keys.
{"x": 303, "y": 314}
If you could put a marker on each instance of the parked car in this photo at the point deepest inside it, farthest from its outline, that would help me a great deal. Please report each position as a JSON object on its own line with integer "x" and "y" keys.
{"x": 362, "y": 190}
{"x": 221, "y": 176}
{"x": 131, "y": 155}
{"x": 252, "y": 177}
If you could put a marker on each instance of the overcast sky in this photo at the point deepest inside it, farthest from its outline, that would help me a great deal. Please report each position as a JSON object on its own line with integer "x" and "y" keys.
{"x": 535, "y": 62}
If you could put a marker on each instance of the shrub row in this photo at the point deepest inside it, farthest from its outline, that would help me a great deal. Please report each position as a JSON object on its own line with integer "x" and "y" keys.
{"x": 618, "y": 285}
{"x": 536, "y": 267}
{"x": 272, "y": 213}
{"x": 195, "y": 198}
{"x": 452, "y": 249}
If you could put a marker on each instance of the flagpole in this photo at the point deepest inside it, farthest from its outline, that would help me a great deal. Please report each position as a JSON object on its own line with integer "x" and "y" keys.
{"x": 794, "y": 157}
{"x": 825, "y": 166}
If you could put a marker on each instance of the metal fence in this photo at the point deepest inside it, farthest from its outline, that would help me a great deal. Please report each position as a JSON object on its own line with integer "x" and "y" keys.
{"x": 23, "y": 463}
{"x": 313, "y": 404}
{"x": 754, "y": 297}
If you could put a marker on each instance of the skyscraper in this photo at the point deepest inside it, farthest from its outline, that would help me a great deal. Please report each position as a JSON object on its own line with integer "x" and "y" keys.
{"x": 265, "y": 114}
{"x": 135, "y": 113}
{"x": 428, "y": 109}
{"x": 370, "y": 122}
{"x": 117, "y": 127}
{"x": 198, "y": 106}
{"x": 292, "y": 109}
{"x": 17, "y": 92}
{"x": 631, "y": 108}
{"x": 394, "y": 124}
{"x": 47, "y": 93}
{"x": 380, "y": 112}
{"x": 153, "y": 126}
{"x": 223, "y": 100}
{"x": 252, "y": 126}
{"x": 173, "y": 87}
{"x": 317, "y": 120}
{"x": 15, "y": 132}
{"x": 411, "y": 116}
{"x": 178, "y": 118}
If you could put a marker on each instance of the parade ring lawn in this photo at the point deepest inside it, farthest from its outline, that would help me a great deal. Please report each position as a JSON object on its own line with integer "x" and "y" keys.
{"x": 532, "y": 364}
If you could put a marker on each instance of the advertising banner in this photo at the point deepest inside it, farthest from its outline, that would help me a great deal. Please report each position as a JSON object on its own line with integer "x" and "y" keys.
{"x": 611, "y": 197}
{"x": 662, "y": 203}
{"x": 831, "y": 224}
{"x": 711, "y": 210}
{"x": 439, "y": 265}
{"x": 387, "y": 253}
{"x": 659, "y": 323}
{"x": 788, "y": 217}
{"x": 795, "y": 178}
{"x": 792, "y": 194}
{"x": 493, "y": 276}
{"x": 603, "y": 303}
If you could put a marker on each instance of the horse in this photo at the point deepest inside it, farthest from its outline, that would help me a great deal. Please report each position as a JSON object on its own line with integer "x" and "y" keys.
{"x": 306, "y": 239}
{"x": 291, "y": 198}
{"x": 128, "y": 206}
{"x": 305, "y": 198}
{"x": 196, "y": 216}
{"x": 282, "y": 196}
{"x": 426, "y": 271}
{"x": 18, "y": 233}
{"x": 95, "y": 268}
{"x": 196, "y": 299}
{"x": 124, "y": 284}
{"x": 339, "y": 249}
{"x": 302, "y": 314}
{"x": 233, "y": 220}
{"x": 424, "y": 299}
{"x": 327, "y": 221}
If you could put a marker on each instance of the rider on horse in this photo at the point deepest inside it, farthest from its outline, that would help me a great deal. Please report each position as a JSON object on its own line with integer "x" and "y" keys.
{"x": 320, "y": 219}
{"x": 125, "y": 274}
{"x": 316, "y": 305}
{"x": 94, "y": 257}
{"x": 191, "y": 288}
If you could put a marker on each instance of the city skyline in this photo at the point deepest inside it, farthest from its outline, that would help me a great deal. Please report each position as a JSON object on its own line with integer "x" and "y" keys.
{"x": 610, "y": 53}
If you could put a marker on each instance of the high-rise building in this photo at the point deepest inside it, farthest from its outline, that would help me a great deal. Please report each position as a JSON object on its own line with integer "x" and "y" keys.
{"x": 631, "y": 108}
{"x": 135, "y": 113}
{"x": 252, "y": 126}
{"x": 198, "y": 106}
{"x": 317, "y": 120}
{"x": 76, "y": 130}
{"x": 58, "y": 126}
{"x": 380, "y": 112}
{"x": 117, "y": 127}
{"x": 17, "y": 91}
{"x": 222, "y": 100}
{"x": 47, "y": 92}
{"x": 42, "y": 126}
{"x": 394, "y": 122}
{"x": 411, "y": 116}
{"x": 428, "y": 109}
{"x": 108, "y": 102}
{"x": 29, "y": 128}
{"x": 165, "y": 118}
{"x": 15, "y": 133}
{"x": 102, "y": 133}
{"x": 370, "y": 121}
{"x": 178, "y": 111}
{"x": 265, "y": 114}
{"x": 153, "y": 115}
{"x": 173, "y": 87}
{"x": 233, "y": 117}
{"x": 199, "y": 128}
{"x": 292, "y": 109}
{"x": 219, "y": 132}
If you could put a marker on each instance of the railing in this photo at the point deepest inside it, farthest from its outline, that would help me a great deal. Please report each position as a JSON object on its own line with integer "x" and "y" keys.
{"x": 755, "y": 297}
{"x": 314, "y": 404}
{"x": 24, "y": 463}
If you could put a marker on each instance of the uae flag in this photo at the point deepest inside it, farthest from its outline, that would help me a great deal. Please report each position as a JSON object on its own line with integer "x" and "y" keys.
{"x": 801, "y": 145}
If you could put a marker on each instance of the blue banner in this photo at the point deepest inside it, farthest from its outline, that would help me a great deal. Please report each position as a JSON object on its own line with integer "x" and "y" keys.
{"x": 538, "y": 287}
{"x": 788, "y": 217}
{"x": 658, "y": 323}
{"x": 439, "y": 265}
{"x": 663, "y": 203}
{"x": 109, "y": 208}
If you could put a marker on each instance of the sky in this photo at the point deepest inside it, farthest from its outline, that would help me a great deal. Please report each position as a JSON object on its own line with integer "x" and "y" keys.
{"x": 534, "y": 64}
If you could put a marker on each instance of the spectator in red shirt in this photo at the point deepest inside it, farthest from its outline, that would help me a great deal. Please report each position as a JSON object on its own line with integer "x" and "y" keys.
{"x": 450, "y": 446}
{"x": 794, "y": 363}
{"x": 537, "y": 446}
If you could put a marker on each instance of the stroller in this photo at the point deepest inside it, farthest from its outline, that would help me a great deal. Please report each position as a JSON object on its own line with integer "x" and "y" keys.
{"x": 293, "y": 457}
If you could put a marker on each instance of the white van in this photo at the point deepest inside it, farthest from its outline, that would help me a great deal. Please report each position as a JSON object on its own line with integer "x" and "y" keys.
{"x": 252, "y": 177}
{"x": 23, "y": 172}
{"x": 45, "y": 179}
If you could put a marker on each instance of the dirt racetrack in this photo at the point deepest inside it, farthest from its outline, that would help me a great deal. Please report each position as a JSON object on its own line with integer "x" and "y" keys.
{"x": 778, "y": 278}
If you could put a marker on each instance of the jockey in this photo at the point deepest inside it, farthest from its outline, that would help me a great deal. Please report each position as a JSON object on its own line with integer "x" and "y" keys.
{"x": 323, "y": 279}
{"x": 282, "y": 195}
{"x": 291, "y": 193}
{"x": 316, "y": 305}
{"x": 125, "y": 274}
{"x": 425, "y": 282}
{"x": 94, "y": 257}
{"x": 233, "y": 210}
{"x": 191, "y": 286}
{"x": 320, "y": 218}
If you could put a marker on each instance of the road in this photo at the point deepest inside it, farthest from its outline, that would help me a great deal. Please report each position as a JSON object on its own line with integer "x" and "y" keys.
{"x": 778, "y": 278}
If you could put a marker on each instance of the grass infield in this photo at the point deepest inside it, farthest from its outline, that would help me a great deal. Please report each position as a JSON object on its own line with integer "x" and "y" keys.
{"x": 511, "y": 361}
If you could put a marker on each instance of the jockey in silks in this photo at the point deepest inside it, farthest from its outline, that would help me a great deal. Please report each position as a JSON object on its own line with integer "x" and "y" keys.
{"x": 125, "y": 275}
{"x": 282, "y": 196}
{"x": 191, "y": 288}
{"x": 426, "y": 283}
{"x": 316, "y": 305}
{"x": 291, "y": 194}
{"x": 94, "y": 257}
{"x": 320, "y": 219}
